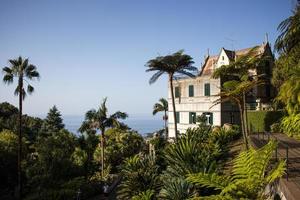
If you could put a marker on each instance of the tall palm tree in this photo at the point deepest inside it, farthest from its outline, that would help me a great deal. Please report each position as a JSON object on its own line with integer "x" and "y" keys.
{"x": 23, "y": 71}
{"x": 100, "y": 120}
{"x": 162, "y": 106}
{"x": 179, "y": 63}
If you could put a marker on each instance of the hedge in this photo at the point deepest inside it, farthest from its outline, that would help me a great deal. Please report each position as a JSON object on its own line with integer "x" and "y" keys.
{"x": 262, "y": 120}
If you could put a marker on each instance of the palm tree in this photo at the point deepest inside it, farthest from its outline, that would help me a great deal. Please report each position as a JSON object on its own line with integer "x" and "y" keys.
{"x": 162, "y": 106}
{"x": 100, "y": 120}
{"x": 23, "y": 71}
{"x": 252, "y": 172}
{"x": 290, "y": 32}
{"x": 236, "y": 90}
{"x": 179, "y": 63}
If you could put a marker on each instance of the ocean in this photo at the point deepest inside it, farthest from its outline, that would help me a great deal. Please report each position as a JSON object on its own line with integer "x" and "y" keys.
{"x": 142, "y": 125}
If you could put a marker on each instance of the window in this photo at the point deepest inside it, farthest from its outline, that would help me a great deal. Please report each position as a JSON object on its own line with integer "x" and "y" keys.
{"x": 177, "y": 92}
{"x": 192, "y": 118}
{"x": 191, "y": 90}
{"x": 209, "y": 117}
{"x": 222, "y": 57}
{"x": 206, "y": 89}
{"x": 177, "y": 117}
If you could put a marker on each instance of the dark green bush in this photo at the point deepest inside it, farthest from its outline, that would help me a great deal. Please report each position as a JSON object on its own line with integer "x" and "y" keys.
{"x": 262, "y": 120}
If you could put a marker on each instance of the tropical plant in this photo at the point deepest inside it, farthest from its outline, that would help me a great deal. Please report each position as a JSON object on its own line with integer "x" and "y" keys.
{"x": 147, "y": 195}
{"x": 289, "y": 37}
{"x": 140, "y": 173}
{"x": 100, "y": 120}
{"x": 176, "y": 63}
{"x": 162, "y": 106}
{"x": 176, "y": 188}
{"x": 120, "y": 144}
{"x": 23, "y": 71}
{"x": 291, "y": 125}
{"x": 250, "y": 175}
{"x": 243, "y": 82}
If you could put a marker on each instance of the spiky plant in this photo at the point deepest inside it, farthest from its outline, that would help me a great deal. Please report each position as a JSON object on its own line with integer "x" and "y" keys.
{"x": 252, "y": 172}
{"x": 176, "y": 188}
{"x": 147, "y": 195}
{"x": 162, "y": 106}
{"x": 100, "y": 120}
{"x": 140, "y": 173}
{"x": 24, "y": 72}
{"x": 176, "y": 63}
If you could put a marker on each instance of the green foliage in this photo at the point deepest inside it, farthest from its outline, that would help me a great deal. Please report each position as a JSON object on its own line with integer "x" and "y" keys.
{"x": 250, "y": 175}
{"x": 120, "y": 144}
{"x": 8, "y": 161}
{"x": 259, "y": 121}
{"x": 176, "y": 188}
{"x": 53, "y": 122}
{"x": 147, "y": 195}
{"x": 53, "y": 161}
{"x": 291, "y": 125}
{"x": 140, "y": 173}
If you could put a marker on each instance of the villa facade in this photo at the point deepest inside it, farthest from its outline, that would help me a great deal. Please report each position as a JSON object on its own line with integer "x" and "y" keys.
{"x": 196, "y": 96}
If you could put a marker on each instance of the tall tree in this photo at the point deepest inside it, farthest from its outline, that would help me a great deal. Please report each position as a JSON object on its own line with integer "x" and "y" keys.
{"x": 100, "y": 120}
{"x": 176, "y": 63}
{"x": 162, "y": 106}
{"x": 53, "y": 122}
{"x": 243, "y": 81}
{"x": 21, "y": 70}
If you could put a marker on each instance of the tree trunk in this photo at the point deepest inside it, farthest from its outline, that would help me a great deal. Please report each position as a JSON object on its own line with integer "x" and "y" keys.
{"x": 102, "y": 152}
{"x": 243, "y": 125}
{"x": 173, "y": 104}
{"x": 20, "y": 139}
{"x": 245, "y": 115}
{"x": 166, "y": 128}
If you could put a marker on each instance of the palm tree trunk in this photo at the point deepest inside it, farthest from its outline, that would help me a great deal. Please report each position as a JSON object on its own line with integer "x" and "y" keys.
{"x": 102, "y": 152}
{"x": 243, "y": 125}
{"x": 173, "y": 105}
{"x": 20, "y": 139}
{"x": 166, "y": 128}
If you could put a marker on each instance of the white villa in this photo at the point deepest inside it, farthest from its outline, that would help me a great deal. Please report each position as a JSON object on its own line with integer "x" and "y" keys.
{"x": 194, "y": 96}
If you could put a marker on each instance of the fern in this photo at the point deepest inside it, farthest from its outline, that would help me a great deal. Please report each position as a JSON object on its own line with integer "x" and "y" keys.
{"x": 249, "y": 176}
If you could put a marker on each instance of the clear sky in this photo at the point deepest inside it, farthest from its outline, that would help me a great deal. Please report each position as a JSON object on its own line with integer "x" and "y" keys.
{"x": 86, "y": 50}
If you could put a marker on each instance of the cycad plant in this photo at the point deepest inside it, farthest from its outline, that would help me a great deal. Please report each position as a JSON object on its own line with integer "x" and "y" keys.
{"x": 100, "y": 120}
{"x": 252, "y": 172}
{"x": 21, "y": 70}
{"x": 140, "y": 173}
{"x": 162, "y": 106}
{"x": 176, "y": 63}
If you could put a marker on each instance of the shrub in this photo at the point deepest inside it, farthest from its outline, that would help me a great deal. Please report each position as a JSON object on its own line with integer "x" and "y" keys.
{"x": 262, "y": 120}
{"x": 291, "y": 125}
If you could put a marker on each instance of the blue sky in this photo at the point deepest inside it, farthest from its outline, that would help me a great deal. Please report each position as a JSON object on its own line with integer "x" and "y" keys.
{"x": 88, "y": 50}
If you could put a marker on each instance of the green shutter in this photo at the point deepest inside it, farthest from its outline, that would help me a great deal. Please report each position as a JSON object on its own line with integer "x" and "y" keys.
{"x": 191, "y": 90}
{"x": 211, "y": 119}
{"x": 177, "y": 117}
{"x": 177, "y": 93}
{"x": 207, "y": 89}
